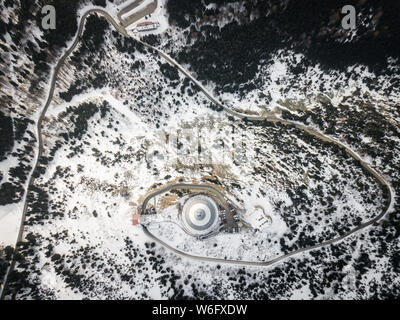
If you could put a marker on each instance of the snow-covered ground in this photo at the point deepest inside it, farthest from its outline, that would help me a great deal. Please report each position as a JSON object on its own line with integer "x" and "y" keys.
{"x": 159, "y": 15}
{"x": 145, "y": 126}
{"x": 142, "y": 5}
{"x": 94, "y": 184}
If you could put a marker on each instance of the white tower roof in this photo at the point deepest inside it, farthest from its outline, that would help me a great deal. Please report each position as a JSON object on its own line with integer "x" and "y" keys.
{"x": 200, "y": 215}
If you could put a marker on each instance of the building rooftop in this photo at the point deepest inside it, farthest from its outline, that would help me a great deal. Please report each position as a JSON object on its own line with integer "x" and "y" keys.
{"x": 200, "y": 215}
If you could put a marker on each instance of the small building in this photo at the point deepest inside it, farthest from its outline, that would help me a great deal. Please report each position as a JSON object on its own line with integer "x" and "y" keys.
{"x": 135, "y": 219}
{"x": 147, "y": 26}
{"x": 257, "y": 218}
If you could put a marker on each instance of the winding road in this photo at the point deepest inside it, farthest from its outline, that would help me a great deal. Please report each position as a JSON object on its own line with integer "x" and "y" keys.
{"x": 319, "y": 135}
{"x": 385, "y": 185}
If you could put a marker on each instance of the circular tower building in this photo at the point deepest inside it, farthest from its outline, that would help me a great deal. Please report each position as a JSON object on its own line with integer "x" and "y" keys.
{"x": 200, "y": 215}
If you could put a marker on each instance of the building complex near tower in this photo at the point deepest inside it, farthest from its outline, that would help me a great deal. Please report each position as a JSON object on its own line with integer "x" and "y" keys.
{"x": 200, "y": 216}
